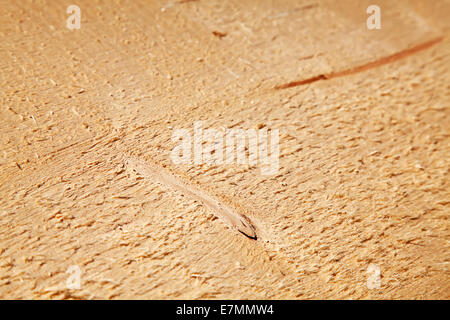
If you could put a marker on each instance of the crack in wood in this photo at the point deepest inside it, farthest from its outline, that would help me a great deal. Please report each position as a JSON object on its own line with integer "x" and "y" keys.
{"x": 370, "y": 65}
{"x": 156, "y": 174}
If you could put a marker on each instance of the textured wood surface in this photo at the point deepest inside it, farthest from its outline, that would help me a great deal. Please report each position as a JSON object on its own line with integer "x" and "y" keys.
{"x": 363, "y": 117}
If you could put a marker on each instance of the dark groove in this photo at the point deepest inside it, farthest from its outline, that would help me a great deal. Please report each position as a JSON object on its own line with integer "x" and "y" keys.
{"x": 370, "y": 65}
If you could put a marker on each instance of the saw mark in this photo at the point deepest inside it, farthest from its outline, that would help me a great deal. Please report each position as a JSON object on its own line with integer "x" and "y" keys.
{"x": 156, "y": 174}
{"x": 370, "y": 65}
